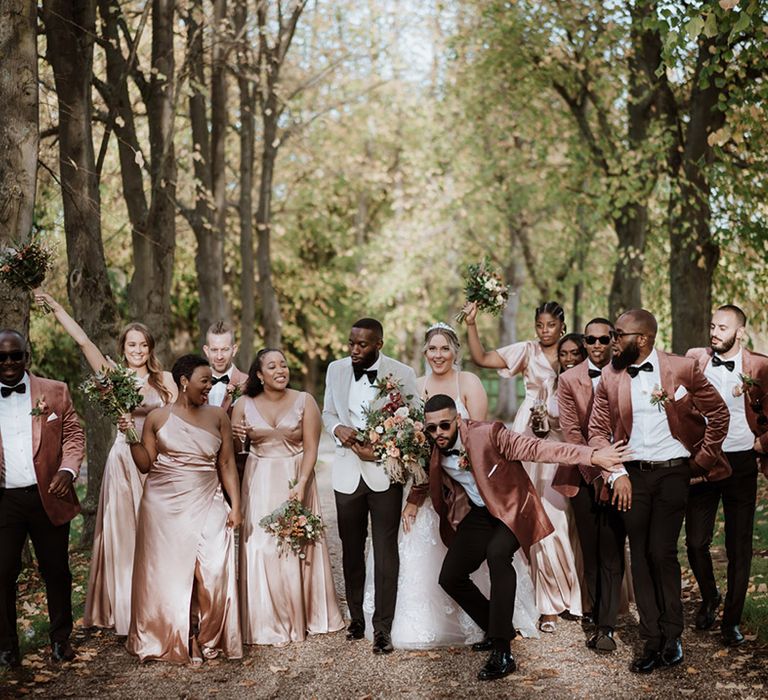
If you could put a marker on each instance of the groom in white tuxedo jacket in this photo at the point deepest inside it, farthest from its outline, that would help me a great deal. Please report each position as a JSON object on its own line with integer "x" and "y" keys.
{"x": 360, "y": 485}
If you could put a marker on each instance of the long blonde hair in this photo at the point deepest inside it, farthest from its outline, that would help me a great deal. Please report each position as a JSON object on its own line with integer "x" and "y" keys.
{"x": 154, "y": 367}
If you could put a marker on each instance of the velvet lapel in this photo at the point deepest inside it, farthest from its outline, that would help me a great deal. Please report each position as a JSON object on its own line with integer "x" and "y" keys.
{"x": 37, "y": 421}
{"x": 668, "y": 386}
{"x": 625, "y": 402}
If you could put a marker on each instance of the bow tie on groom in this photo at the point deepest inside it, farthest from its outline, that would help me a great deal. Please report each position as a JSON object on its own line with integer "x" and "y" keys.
{"x": 372, "y": 374}
{"x": 6, "y": 391}
{"x": 633, "y": 370}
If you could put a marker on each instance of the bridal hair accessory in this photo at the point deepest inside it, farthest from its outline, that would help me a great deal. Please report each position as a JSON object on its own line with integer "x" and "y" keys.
{"x": 441, "y": 326}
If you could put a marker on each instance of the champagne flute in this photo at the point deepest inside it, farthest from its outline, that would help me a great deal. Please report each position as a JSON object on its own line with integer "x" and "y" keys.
{"x": 244, "y": 437}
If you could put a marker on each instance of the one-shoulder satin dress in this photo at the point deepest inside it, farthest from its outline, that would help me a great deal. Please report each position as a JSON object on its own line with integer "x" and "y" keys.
{"x": 184, "y": 549}
{"x": 553, "y": 564}
{"x": 108, "y": 600}
{"x": 282, "y": 598}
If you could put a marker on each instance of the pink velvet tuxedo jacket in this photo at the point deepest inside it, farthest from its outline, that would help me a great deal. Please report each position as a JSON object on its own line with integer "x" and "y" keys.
{"x": 495, "y": 453}
{"x": 58, "y": 441}
{"x": 574, "y": 401}
{"x": 754, "y": 365}
{"x": 698, "y": 419}
{"x": 238, "y": 379}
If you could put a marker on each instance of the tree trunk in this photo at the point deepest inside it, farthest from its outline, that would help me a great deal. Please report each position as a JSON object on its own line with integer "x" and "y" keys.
{"x": 270, "y": 308}
{"x": 70, "y": 27}
{"x": 150, "y": 288}
{"x": 209, "y": 212}
{"x": 626, "y": 287}
{"x": 506, "y": 405}
{"x": 247, "y": 96}
{"x": 19, "y": 136}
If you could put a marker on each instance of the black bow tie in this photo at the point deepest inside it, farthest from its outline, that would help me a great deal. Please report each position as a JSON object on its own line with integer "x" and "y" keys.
{"x": 451, "y": 453}
{"x": 633, "y": 371}
{"x": 6, "y": 391}
{"x": 370, "y": 373}
{"x": 594, "y": 373}
{"x": 223, "y": 378}
{"x": 728, "y": 364}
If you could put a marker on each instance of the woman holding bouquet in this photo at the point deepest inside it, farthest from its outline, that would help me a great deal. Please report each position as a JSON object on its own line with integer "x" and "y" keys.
{"x": 425, "y": 616}
{"x": 108, "y": 600}
{"x": 185, "y": 544}
{"x": 553, "y": 565}
{"x": 282, "y": 597}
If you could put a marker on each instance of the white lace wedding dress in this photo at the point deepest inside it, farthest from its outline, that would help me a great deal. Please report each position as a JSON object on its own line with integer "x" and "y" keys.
{"x": 426, "y": 616}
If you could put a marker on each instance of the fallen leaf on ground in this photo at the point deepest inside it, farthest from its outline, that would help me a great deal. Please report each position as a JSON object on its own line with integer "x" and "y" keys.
{"x": 278, "y": 669}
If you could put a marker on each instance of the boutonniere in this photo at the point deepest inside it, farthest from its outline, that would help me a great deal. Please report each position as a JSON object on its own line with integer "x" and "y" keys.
{"x": 464, "y": 464}
{"x": 747, "y": 381}
{"x": 234, "y": 391}
{"x": 659, "y": 397}
{"x": 40, "y": 408}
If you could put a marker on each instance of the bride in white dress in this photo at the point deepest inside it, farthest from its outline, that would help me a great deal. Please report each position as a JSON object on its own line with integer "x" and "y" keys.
{"x": 426, "y": 616}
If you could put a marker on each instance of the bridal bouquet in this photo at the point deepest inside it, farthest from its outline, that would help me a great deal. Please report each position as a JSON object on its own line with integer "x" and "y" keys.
{"x": 486, "y": 287}
{"x": 294, "y": 526}
{"x": 116, "y": 391}
{"x": 24, "y": 265}
{"x": 396, "y": 433}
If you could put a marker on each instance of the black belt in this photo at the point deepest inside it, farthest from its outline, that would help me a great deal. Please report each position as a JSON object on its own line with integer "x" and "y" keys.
{"x": 645, "y": 466}
{"x": 23, "y": 489}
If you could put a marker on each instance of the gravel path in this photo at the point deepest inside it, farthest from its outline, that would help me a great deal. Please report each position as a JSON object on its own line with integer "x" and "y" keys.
{"x": 328, "y": 666}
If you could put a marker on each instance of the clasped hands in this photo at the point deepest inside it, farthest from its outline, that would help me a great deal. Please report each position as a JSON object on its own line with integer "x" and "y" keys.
{"x": 348, "y": 438}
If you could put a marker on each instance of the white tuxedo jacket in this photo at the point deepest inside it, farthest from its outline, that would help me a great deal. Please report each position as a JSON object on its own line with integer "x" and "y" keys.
{"x": 348, "y": 468}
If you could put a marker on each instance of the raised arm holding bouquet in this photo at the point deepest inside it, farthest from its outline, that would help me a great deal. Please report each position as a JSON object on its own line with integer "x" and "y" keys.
{"x": 139, "y": 375}
{"x": 485, "y": 288}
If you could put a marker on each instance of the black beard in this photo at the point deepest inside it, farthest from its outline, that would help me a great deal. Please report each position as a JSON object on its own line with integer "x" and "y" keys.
{"x": 626, "y": 358}
{"x": 725, "y": 346}
{"x": 450, "y": 445}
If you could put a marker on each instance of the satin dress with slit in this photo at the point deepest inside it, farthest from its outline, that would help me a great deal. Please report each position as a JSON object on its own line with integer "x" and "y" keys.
{"x": 283, "y": 598}
{"x": 185, "y": 553}
{"x": 108, "y": 600}
{"x": 553, "y": 564}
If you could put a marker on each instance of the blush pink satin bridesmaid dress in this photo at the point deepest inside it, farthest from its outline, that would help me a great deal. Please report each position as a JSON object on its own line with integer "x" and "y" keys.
{"x": 282, "y": 598}
{"x": 108, "y": 600}
{"x": 185, "y": 553}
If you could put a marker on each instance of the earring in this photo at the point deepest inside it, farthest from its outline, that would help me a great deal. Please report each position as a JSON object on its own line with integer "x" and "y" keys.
{"x": 184, "y": 389}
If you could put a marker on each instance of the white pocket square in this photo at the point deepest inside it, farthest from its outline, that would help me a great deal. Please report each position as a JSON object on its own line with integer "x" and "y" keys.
{"x": 51, "y": 417}
{"x": 680, "y": 392}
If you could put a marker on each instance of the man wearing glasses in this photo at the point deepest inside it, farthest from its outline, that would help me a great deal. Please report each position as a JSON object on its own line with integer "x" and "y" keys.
{"x": 41, "y": 448}
{"x": 674, "y": 422}
{"x": 741, "y": 378}
{"x": 488, "y": 508}
{"x": 600, "y": 527}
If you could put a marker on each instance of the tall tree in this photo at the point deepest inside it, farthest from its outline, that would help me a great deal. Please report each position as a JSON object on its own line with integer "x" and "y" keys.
{"x": 152, "y": 213}
{"x": 19, "y": 138}
{"x": 70, "y": 29}
{"x": 208, "y": 215}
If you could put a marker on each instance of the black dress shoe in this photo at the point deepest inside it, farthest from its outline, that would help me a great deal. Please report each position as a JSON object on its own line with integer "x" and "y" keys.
{"x": 707, "y": 614}
{"x": 356, "y": 630}
{"x": 382, "y": 643}
{"x": 604, "y": 642}
{"x": 499, "y": 664}
{"x": 672, "y": 653}
{"x": 9, "y": 658}
{"x": 646, "y": 663}
{"x": 62, "y": 651}
{"x": 731, "y": 636}
{"x": 485, "y": 645}
{"x": 588, "y": 618}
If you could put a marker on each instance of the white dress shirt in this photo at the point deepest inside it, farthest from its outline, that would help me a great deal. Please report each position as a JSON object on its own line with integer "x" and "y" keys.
{"x": 740, "y": 437}
{"x": 361, "y": 394}
{"x": 219, "y": 390}
{"x": 651, "y": 439}
{"x": 16, "y": 430}
{"x": 595, "y": 380}
{"x": 450, "y": 463}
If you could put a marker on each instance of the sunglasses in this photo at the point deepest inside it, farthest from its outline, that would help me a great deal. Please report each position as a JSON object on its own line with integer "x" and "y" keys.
{"x": 14, "y": 356}
{"x": 621, "y": 334}
{"x": 602, "y": 339}
{"x": 431, "y": 428}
